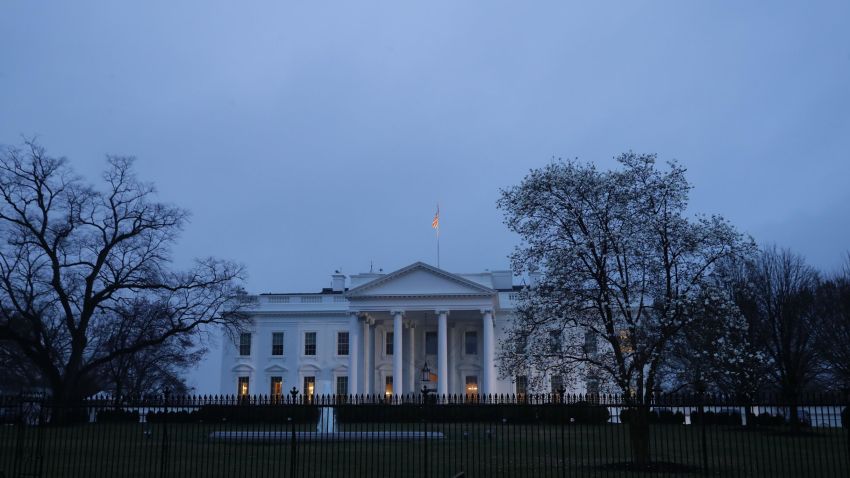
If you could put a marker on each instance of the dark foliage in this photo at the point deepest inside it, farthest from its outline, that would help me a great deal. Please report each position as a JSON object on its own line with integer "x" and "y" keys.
{"x": 86, "y": 275}
{"x": 413, "y": 413}
{"x": 767, "y": 420}
{"x": 724, "y": 417}
{"x": 664, "y": 417}
{"x": 118, "y": 416}
{"x": 240, "y": 414}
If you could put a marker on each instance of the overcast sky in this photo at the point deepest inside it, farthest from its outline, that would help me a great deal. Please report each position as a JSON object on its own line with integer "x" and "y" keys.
{"x": 311, "y": 136}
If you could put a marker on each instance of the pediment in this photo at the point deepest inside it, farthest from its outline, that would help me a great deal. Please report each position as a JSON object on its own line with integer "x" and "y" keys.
{"x": 276, "y": 368}
{"x": 417, "y": 280}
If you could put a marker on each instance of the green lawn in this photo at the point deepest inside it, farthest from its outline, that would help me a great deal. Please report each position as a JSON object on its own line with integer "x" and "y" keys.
{"x": 478, "y": 449}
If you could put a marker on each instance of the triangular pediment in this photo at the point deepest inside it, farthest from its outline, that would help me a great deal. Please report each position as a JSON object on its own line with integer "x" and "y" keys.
{"x": 419, "y": 279}
{"x": 276, "y": 368}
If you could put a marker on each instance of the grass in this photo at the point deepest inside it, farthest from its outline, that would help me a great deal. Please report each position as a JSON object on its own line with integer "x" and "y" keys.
{"x": 478, "y": 449}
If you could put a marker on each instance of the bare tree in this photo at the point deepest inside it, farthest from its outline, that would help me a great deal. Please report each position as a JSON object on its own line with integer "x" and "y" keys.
{"x": 833, "y": 312}
{"x": 152, "y": 370}
{"x": 74, "y": 259}
{"x": 778, "y": 298}
{"x": 620, "y": 264}
{"x": 720, "y": 351}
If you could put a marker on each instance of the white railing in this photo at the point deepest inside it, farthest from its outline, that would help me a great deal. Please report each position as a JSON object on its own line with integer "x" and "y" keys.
{"x": 311, "y": 299}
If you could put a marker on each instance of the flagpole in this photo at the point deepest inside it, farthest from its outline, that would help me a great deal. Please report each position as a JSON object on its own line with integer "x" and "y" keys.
{"x": 438, "y": 248}
{"x": 436, "y": 225}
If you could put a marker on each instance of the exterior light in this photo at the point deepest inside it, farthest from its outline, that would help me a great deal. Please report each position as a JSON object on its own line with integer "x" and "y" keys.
{"x": 425, "y": 375}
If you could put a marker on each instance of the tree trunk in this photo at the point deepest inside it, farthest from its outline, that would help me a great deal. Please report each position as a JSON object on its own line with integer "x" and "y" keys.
{"x": 793, "y": 407}
{"x": 66, "y": 403}
{"x": 639, "y": 435}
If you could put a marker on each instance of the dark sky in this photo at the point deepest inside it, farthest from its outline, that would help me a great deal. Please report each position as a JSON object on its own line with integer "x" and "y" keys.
{"x": 311, "y": 136}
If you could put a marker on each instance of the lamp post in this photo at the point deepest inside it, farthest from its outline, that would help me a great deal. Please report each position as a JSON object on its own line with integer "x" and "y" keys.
{"x": 425, "y": 378}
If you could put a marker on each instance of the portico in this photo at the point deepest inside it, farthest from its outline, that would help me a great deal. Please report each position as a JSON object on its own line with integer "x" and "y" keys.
{"x": 397, "y": 318}
{"x": 373, "y": 333}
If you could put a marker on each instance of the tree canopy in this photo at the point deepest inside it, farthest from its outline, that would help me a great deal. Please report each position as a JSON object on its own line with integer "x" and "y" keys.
{"x": 78, "y": 263}
{"x": 624, "y": 269}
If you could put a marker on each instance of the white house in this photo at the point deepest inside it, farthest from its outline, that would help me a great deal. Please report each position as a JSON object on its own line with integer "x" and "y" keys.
{"x": 373, "y": 333}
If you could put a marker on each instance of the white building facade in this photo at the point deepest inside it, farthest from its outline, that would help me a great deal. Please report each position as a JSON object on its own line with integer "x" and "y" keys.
{"x": 374, "y": 333}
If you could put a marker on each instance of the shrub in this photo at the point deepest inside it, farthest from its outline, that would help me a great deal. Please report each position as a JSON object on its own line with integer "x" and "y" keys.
{"x": 667, "y": 417}
{"x": 258, "y": 413}
{"x": 172, "y": 417}
{"x": 663, "y": 416}
{"x": 586, "y": 413}
{"x": 727, "y": 418}
{"x": 118, "y": 416}
{"x": 765, "y": 419}
{"x": 238, "y": 414}
{"x": 583, "y": 413}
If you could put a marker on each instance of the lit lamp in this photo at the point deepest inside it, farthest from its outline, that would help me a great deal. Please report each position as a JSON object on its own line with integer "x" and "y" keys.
{"x": 425, "y": 378}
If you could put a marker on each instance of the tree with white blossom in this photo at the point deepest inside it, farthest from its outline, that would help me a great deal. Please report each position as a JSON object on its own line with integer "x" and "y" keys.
{"x": 622, "y": 268}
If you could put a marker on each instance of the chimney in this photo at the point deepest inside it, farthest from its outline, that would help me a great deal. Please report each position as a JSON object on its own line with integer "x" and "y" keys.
{"x": 338, "y": 282}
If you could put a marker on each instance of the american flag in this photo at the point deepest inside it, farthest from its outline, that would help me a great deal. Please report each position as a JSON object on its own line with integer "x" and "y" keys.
{"x": 436, "y": 222}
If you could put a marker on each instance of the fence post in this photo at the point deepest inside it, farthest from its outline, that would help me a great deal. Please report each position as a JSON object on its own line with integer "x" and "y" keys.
{"x": 425, "y": 426}
{"x": 293, "y": 450}
{"x": 561, "y": 392}
{"x": 163, "y": 468}
{"x": 703, "y": 433}
{"x": 847, "y": 424}
{"x": 19, "y": 442}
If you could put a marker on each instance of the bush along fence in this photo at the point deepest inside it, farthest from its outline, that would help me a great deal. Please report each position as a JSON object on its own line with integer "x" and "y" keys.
{"x": 423, "y": 436}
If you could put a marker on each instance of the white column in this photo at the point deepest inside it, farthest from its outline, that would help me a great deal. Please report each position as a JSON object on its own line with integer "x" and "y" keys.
{"x": 411, "y": 358}
{"x": 354, "y": 361}
{"x": 488, "y": 349}
{"x": 366, "y": 386}
{"x": 442, "y": 353}
{"x": 398, "y": 338}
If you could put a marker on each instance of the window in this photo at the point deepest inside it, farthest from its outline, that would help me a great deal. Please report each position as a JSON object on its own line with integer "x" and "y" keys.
{"x": 388, "y": 385}
{"x": 555, "y": 341}
{"x": 470, "y": 343}
{"x": 277, "y": 343}
{"x": 342, "y": 343}
{"x": 276, "y": 386}
{"x": 242, "y": 386}
{"x": 521, "y": 344}
{"x": 309, "y": 343}
{"x": 522, "y": 385}
{"x": 472, "y": 385}
{"x": 245, "y": 344}
{"x": 389, "y": 343}
{"x": 557, "y": 384}
{"x": 431, "y": 343}
{"x": 309, "y": 386}
{"x": 626, "y": 345}
{"x": 342, "y": 385}
{"x": 590, "y": 346}
{"x": 592, "y": 386}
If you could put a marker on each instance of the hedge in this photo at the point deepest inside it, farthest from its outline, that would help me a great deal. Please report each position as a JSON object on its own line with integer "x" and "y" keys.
{"x": 584, "y": 413}
{"x": 665, "y": 417}
{"x": 765, "y": 419}
{"x": 118, "y": 416}
{"x": 240, "y": 414}
{"x": 716, "y": 418}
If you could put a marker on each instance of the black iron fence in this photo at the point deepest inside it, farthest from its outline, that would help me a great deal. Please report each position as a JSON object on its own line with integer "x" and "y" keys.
{"x": 423, "y": 436}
